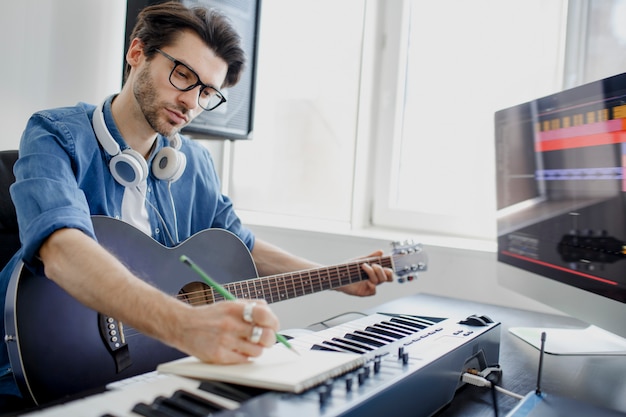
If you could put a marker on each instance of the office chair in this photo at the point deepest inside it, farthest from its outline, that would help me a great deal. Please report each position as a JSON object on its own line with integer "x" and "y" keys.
{"x": 9, "y": 235}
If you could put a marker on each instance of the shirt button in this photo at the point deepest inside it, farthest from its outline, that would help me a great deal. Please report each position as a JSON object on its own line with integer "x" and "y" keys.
{"x": 157, "y": 230}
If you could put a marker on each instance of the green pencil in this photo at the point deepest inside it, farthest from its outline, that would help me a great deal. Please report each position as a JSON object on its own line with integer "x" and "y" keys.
{"x": 226, "y": 294}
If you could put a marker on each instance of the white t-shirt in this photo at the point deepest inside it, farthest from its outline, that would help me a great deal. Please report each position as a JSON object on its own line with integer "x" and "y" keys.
{"x": 134, "y": 209}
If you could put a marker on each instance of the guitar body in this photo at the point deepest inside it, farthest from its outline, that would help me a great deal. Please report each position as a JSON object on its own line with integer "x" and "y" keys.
{"x": 59, "y": 347}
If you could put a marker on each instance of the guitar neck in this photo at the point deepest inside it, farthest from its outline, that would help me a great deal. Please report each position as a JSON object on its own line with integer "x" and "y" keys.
{"x": 295, "y": 284}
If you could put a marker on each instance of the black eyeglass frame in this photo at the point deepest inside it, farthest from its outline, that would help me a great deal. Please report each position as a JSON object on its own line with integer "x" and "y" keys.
{"x": 191, "y": 87}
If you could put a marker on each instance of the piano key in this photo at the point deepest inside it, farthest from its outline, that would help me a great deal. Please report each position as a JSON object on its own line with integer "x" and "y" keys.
{"x": 163, "y": 405}
{"x": 424, "y": 321}
{"x": 195, "y": 403}
{"x": 226, "y": 390}
{"x": 384, "y": 332}
{"x": 414, "y": 324}
{"x": 353, "y": 343}
{"x": 429, "y": 321}
{"x": 363, "y": 339}
{"x": 375, "y": 336}
{"x": 325, "y": 348}
{"x": 407, "y": 329}
{"x": 145, "y": 410}
{"x": 182, "y": 406}
{"x": 343, "y": 347}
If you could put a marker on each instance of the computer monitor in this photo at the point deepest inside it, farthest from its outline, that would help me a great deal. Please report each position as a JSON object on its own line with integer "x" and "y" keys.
{"x": 561, "y": 200}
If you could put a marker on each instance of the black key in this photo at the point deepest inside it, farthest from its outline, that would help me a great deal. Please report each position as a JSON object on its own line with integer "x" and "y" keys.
{"x": 167, "y": 407}
{"x": 395, "y": 328}
{"x": 399, "y": 326}
{"x": 352, "y": 343}
{"x": 375, "y": 336}
{"x": 408, "y": 323}
{"x": 363, "y": 339}
{"x": 196, "y": 404}
{"x": 145, "y": 410}
{"x": 384, "y": 332}
{"x": 343, "y": 347}
{"x": 225, "y": 390}
{"x": 421, "y": 320}
{"x": 325, "y": 348}
{"x": 182, "y": 403}
{"x": 426, "y": 322}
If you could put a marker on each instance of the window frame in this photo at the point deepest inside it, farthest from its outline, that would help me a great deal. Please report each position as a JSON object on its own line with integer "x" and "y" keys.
{"x": 384, "y": 214}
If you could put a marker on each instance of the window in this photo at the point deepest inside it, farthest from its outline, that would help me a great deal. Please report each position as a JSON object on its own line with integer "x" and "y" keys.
{"x": 459, "y": 62}
{"x": 410, "y": 88}
{"x": 596, "y": 41}
{"x": 300, "y": 163}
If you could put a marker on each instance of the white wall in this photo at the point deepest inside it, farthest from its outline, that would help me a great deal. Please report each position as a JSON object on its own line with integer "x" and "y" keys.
{"x": 56, "y": 53}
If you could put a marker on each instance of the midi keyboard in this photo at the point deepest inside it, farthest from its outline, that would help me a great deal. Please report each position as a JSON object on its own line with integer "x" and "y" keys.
{"x": 413, "y": 368}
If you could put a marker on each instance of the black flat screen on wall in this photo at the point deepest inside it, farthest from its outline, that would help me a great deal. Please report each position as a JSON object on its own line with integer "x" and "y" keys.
{"x": 233, "y": 119}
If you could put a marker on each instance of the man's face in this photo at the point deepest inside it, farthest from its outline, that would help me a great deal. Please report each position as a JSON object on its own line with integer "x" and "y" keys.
{"x": 167, "y": 109}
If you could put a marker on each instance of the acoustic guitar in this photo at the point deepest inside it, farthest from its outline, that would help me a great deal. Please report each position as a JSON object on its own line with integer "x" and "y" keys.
{"x": 58, "y": 347}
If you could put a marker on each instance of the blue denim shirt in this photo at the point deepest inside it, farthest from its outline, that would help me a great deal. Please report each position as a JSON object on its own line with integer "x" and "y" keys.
{"x": 62, "y": 179}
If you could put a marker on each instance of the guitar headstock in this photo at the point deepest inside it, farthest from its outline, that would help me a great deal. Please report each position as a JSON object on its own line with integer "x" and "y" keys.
{"x": 409, "y": 259}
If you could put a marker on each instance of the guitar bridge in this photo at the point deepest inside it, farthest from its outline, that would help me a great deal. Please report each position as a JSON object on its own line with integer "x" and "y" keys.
{"x": 112, "y": 332}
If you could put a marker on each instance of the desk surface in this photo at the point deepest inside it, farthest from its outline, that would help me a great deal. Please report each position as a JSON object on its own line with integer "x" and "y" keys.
{"x": 599, "y": 380}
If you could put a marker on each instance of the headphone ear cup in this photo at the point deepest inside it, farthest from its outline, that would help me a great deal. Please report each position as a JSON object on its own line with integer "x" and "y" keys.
{"x": 129, "y": 168}
{"x": 169, "y": 164}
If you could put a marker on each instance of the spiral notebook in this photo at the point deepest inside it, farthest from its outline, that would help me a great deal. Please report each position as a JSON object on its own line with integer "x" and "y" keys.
{"x": 277, "y": 369}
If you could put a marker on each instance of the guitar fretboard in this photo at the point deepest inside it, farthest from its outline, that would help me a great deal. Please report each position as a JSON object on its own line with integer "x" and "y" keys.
{"x": 295, "y": 284}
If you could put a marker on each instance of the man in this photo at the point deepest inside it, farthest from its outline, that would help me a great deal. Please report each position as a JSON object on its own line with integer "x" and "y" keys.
{"x": 80, "y": 161}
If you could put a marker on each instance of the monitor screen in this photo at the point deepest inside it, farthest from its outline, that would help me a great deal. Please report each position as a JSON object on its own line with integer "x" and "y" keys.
{"x": 561, "y": 199}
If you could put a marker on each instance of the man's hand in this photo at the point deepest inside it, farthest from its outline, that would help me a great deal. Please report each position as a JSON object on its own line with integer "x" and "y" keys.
{"x": 377, "y": 275}
{"x": 228, "y": 331}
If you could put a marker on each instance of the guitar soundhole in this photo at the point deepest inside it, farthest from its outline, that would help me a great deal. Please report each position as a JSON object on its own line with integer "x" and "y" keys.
{"x": 196, "y": 293}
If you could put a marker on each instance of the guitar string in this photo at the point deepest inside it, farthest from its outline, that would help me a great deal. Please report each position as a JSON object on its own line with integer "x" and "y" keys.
{"x": 334, "y": 273}
{"x": 299, "y": 283}
{"x": 316, "y": 284}
{"x": 334, "y": 278}
{"x": 250, "y": 289}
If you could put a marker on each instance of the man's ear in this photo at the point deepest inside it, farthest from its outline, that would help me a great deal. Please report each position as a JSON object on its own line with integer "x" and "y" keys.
{"x": 135, "y": 55}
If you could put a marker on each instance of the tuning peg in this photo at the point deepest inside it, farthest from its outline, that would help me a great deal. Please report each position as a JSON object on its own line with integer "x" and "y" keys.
{"x": 400, "y": 244}
{"x": 407, "y": 278}
{"x": 406, "y": 247}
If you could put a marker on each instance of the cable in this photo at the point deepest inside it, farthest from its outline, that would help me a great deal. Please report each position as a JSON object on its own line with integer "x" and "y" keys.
{"x": 480, "y": 381}
{"x": 494, "y": 399}
{"x": 165, "y": 228}
{"x": 169, "y": 190}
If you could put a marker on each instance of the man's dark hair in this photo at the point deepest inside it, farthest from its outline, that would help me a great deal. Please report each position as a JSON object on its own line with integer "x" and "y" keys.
{"x": 159, "y": 25}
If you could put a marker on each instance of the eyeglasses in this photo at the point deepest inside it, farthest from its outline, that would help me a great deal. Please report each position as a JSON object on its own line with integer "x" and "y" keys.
{"x": 184, "y": 78}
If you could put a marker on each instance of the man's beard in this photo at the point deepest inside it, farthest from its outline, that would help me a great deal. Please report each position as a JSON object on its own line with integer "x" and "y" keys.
{"x": 145, "y": 94}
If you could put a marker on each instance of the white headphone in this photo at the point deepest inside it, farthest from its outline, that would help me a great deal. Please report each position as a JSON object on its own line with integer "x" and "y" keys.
{"x": 128, "y": 167}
